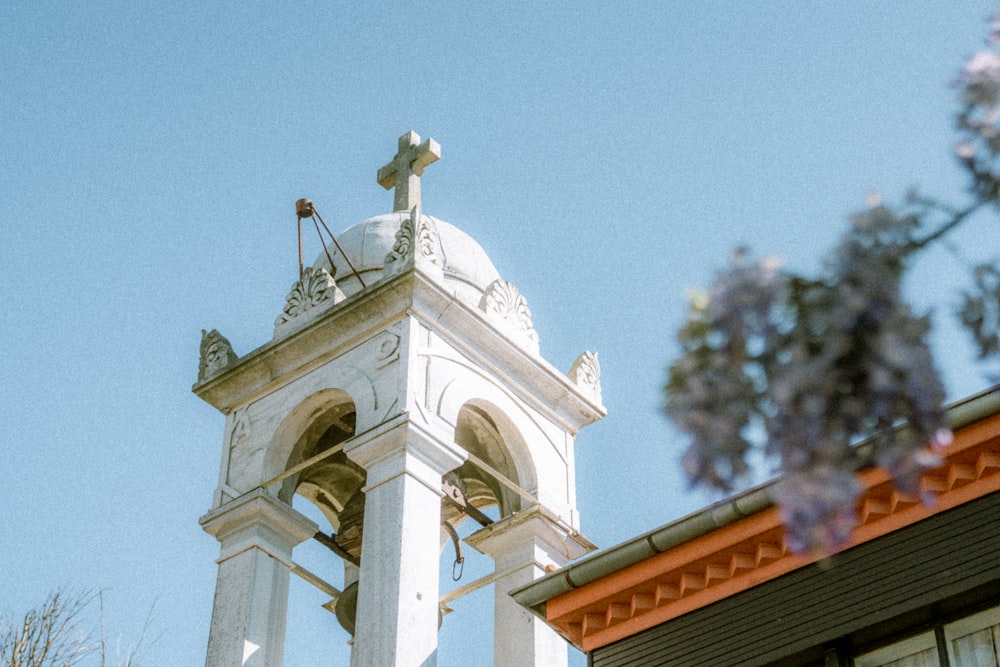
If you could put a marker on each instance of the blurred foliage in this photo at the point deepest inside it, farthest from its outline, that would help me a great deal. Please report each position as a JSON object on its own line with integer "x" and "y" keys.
{"x": 801, "y": 368}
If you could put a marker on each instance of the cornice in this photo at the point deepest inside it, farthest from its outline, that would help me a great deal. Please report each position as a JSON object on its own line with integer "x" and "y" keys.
{"x": 361, "y": 315}
{"x": 746, "y": 551}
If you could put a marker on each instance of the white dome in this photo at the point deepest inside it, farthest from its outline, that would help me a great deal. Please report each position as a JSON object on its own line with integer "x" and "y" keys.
{"x": 468, "y": 270}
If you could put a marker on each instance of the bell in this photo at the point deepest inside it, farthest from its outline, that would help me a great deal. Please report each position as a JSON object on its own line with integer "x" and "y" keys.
{"x": 346, "y": 608}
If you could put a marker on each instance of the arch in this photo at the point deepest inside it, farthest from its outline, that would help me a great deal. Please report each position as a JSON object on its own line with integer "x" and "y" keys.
{"x": 319, "y": 422}
{"x": 308, "y": 419}
{"x": 514, "y": 425}
{"x": 331, "y": 482}
{"x": 484, "y": 430}
{"x": 323, "y": 418}
{"x": 316, "y": 395}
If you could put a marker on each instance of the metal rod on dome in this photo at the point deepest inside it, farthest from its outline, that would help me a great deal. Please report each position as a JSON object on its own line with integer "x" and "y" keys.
{"x": 300, "y": 248}
{"x": 336, "y": 243}
{"x": 303, "y": 209}
{"x": 326, "y": 250}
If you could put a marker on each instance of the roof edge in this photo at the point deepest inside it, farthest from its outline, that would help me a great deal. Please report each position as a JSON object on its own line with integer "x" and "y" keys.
{"x": 717, "y": 515}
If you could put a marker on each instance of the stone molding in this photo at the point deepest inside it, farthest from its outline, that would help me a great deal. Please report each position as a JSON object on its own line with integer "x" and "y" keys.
{"x": 542, "y": 387}
{"x": 536, "y": 527}
{"x": 256, "y": 519}
{"x": 505, "y": 305}
{"x": 314, "y": 293}
{"x": 586, "y": 374}
{"x": 216, "y": 354}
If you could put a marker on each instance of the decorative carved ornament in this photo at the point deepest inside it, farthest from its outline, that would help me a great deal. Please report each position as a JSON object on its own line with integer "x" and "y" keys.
{"x": 416, "y": 241}
{"x": 586, "y": 373}
{"x": 752, "y": 550}
{"x": 387, "y": 350}
{"x": 216, "y": 354}
{"x": 316, "y": 288}
{"x": 504, "y": 301}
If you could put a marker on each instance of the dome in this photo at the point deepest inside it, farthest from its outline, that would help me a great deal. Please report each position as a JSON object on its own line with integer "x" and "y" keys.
{"x": 468, "y": 270}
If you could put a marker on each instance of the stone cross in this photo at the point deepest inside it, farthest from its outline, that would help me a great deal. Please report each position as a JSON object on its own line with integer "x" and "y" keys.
{"x": 406, "y": 168}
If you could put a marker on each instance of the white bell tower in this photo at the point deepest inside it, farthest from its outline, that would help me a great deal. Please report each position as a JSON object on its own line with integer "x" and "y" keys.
{"x": 403, "y": 390}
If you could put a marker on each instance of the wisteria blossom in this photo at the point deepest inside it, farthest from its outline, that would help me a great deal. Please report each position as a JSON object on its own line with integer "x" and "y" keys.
{"x": 803, "y": 368}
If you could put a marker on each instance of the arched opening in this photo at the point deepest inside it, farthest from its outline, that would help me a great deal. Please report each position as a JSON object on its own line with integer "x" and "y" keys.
{"x": 333, "y": 483}
{"x": 327, "y": 490}
{"x": 480, "y": 430}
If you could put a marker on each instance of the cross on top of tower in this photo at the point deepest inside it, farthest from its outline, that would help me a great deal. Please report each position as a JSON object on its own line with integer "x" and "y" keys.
{"x": 406, "y": 168}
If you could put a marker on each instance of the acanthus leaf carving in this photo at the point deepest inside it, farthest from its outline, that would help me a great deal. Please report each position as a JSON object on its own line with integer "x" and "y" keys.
{"x": 417, "y": 241}
{"x": 586, "y": 374}
{"x": 316, "y": 288}
{"x": 403, "y": 246}
{"x": 216, "y": 354}
{"x": 504, "y": 301}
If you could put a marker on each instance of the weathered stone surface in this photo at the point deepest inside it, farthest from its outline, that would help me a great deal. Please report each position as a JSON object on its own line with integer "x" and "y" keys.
{"x": 432, "y": 366}
{"x": 525, "y": 546}
{"x": 417, "y": 244}
{"x": 505, "y": 304}
{"x": 586, "y": 373}
{"x": 308, "y": 298}
{"x": 216, "y": 354}
{"x": 256, "y": 535}
{"x": 407, "y": 166}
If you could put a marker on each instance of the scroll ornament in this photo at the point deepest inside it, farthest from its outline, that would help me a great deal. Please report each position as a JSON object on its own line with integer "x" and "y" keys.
{"x": 216, "y": 354}
{"x": 586, "y": 374}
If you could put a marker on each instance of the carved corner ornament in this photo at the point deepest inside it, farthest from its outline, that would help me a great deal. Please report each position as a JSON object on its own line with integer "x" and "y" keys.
{"x": 504, "y": 302}
{"x": 417, "y": 244}
{"x": 586, "y": 374}
{"x": 316, "y": 289}
{"x": 216, "y": 354}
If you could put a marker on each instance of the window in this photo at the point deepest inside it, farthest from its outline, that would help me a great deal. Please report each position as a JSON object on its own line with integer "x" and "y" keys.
{"x": 973, "y": 641}
{"x": 919, "y": 651}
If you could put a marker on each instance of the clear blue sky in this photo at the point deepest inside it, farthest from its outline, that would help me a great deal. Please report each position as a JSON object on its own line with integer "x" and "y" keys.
{"x": 606, "y": 155}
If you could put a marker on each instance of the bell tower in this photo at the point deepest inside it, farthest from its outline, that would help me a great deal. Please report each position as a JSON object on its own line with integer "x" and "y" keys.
{"x": 402, "y": 393}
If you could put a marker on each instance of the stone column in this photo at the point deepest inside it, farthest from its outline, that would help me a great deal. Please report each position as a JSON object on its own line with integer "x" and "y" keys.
{"x": 397, "y": 619}
{"x": 522, "y": 546}
{"x": 257, "y": 533}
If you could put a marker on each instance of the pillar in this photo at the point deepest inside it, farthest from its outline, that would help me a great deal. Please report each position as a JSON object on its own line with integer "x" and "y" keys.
{"x": 397, "y": 619}
{"x": 256, "y": 533}
{"x": 522, "y": 546}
